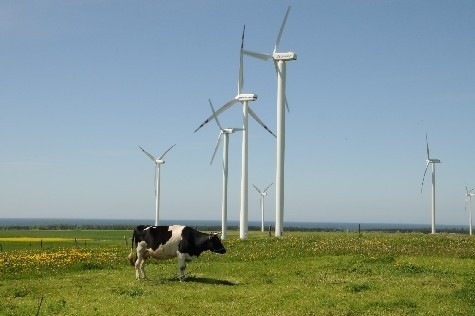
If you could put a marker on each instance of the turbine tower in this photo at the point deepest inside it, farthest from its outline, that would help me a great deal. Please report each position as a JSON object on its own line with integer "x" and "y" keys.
{"x": 158, "y": 161}
{"x": 280, "y": 60}
{"x": 431, "y": 161}
{"x": 263, "y": 195}
{"x": 244, "y": 98}
{"x": 223, "y": 134}
{"x": 468, "y": 199}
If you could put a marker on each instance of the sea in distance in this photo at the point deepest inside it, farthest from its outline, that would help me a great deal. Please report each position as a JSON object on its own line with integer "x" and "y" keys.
{"x": 88, "y": 222}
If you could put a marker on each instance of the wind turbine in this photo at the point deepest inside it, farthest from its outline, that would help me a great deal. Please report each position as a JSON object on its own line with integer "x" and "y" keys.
{"x": 468, "y": 199}
{"x": 158, "y": 161}
{"x": 280, "y": 60}
{"x": 433, "y": 162}
{"x": 223, "y": 134}
{"x": 263, "y": 195}
{"x": 244, "y": 98}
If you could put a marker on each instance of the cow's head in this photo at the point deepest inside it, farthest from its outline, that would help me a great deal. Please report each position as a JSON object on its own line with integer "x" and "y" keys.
{"x": 215, "y": 244}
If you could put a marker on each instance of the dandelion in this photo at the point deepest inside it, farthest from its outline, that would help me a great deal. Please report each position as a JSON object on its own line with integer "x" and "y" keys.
{"x": 42, "y": 262}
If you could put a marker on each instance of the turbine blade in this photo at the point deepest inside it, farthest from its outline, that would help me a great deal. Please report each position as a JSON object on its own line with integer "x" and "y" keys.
{"x": 257, "y": 189}
{"x": 151, "y": 157}
{"x": 241, "y": 76}
{"x": 277, "y": 42}
{"x": 226, "y": 106}
{"x": 220, "y": 137}
{"x": 163, "y": 155}
{"x": 218, "y": 112}
{"x": 258, "y": 120}
{"x": 257, "y": 55}
{"x": 268, "y": 186}
{"x": 214, "y": 115}
{"x": 427, "y": 166}
{"x": 427, "y": 147}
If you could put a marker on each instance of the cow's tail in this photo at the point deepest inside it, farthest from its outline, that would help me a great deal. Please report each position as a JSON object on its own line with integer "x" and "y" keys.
{"x": 133, "y": 254}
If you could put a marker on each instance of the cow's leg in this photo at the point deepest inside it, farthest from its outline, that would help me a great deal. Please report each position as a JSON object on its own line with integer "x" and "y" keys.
{"x": 181, "y": 266}
{"x": 131, "y": 257}
{"x": 140, "y": 262}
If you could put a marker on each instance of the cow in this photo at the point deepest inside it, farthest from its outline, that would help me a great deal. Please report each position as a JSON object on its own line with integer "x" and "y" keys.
{"x": 166, "y": 242}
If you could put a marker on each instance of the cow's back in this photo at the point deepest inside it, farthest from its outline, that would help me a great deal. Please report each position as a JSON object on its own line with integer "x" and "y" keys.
{"x": 154, "y": 236}
{"x": 162, "y": 241}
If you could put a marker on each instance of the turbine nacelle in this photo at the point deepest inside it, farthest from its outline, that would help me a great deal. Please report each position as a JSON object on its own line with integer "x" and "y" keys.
{"x": 284, "y": 56}
{"x": 246, "y": 97}
{"x": 433, "y": 161}
{"x": 231, "y": 130}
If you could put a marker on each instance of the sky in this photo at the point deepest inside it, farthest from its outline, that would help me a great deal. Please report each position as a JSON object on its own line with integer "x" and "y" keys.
{"x": 84, "y": 83}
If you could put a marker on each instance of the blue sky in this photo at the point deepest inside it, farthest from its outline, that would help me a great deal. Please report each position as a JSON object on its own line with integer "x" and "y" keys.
{"x": 83, "y": 83}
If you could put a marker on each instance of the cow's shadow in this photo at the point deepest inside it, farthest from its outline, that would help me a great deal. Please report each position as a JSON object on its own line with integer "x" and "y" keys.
{"x": 208, "y": 281}
{"x": 196, "y": 279}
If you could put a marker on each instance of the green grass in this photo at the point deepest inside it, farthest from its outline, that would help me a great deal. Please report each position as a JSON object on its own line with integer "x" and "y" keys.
{"x": 299, "y": 274}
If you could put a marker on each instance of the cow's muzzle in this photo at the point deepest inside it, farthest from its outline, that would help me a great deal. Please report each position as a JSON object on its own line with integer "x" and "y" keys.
{"x": 221, "y": 250}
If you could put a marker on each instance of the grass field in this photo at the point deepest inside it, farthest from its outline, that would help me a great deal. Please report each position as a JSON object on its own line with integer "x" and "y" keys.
{"x": 86, "y": 273}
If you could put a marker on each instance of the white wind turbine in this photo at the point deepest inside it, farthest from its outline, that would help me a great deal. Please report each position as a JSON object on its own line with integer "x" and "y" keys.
{"x": 223, "y": 134}
{"x": 468, "y": 200}
{"x": 158, "y": 161}
{"x": 433, "y": 162}
{"x": 263, "y": 195}
{"x": 244, "y": 98}
{"x": 280, "y": 60}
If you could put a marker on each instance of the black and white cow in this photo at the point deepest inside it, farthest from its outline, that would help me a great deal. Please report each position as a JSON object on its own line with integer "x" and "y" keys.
{"x": 166, "y": 242}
